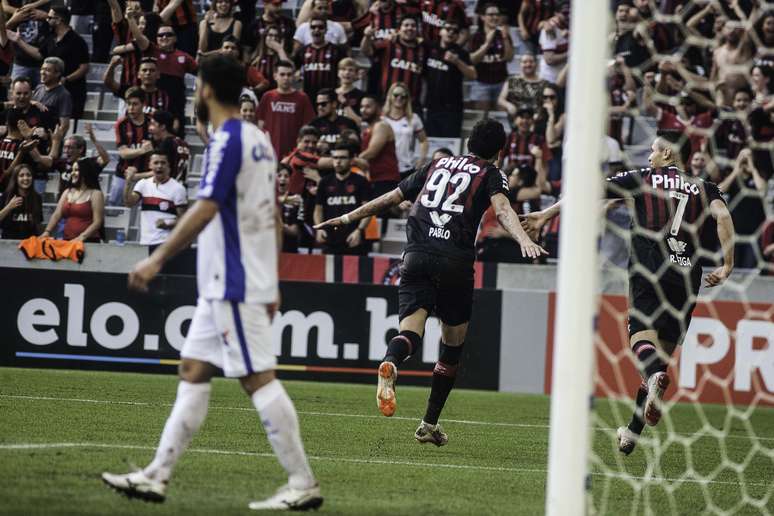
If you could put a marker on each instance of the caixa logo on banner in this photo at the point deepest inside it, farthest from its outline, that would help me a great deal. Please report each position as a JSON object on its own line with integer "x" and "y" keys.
{"x": 295, "y": 334}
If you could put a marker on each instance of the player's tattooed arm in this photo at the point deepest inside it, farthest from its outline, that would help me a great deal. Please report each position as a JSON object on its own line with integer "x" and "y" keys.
{"x": 510, "y": 222}
{"x": 374, "y": 207}
{"x": 725, "y": 225}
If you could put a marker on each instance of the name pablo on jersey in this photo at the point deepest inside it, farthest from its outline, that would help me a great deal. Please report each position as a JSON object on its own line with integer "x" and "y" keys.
{"x": 283, "y": 107}
{"x": 406, "y": 65}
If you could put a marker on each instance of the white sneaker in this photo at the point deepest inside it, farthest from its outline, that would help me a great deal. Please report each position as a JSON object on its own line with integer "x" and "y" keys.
{"x": 290, "y": 499}
{"x": 627, "y": 440}
{"x": 657, "y": 385}
{"x": 136, "y": 485}
{"x": 427, "y": 433}
{"x": 385, "y": 390}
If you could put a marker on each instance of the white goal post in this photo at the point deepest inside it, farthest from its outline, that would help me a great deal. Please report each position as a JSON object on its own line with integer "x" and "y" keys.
{"x": 573, "y": 361}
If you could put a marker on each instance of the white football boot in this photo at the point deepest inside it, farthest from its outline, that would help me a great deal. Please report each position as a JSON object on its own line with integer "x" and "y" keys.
{"x": 289, "y": 499}
{"x": 657, "y": 385}
{"x": 627, "y": 440}
{"x": 385, "y": 389}
{"x": 136, "y": 485}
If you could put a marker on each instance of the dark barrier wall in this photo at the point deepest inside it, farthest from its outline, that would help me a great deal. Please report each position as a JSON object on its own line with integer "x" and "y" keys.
{"x": 324, "y": 331}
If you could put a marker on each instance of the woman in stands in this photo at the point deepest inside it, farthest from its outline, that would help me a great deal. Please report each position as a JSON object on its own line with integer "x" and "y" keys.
{"x": 22, "y": 207}
{"x": 553, "y": 111}
{"x": 408, "y": 128}
{"x": 218, "y": 23}
{"x": 270, "y": 50}
{"x": 82, "y": 205}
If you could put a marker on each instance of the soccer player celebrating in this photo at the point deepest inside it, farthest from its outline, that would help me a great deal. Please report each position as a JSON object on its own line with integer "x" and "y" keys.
{"x": 236, "y": 221}
{"x": 450, "y": 196}
{"x": 671, "y": 208}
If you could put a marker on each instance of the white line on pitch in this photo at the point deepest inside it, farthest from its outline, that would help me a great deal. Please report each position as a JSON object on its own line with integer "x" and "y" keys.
{"x": 338, "y": 414}
{"x": 211, "y": 451}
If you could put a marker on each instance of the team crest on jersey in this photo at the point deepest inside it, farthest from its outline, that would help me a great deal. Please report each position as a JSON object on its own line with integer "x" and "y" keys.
{"x": 181, "y": 59}
{"x": 440, "y": 220}
{"x": 350, "y": 188}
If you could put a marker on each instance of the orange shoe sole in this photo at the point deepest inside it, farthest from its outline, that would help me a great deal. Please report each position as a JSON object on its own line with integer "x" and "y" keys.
{"x": 385, "y": 392}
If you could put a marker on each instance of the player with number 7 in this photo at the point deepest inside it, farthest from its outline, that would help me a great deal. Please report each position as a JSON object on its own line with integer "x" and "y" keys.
{"x": 670, "y": 211}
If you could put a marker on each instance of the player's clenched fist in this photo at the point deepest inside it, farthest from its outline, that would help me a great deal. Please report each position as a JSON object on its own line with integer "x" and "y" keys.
{"x": 143, "y": 273}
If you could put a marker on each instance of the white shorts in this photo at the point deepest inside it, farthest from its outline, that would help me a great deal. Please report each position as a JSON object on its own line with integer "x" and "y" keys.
{"x": 235, "y": 337}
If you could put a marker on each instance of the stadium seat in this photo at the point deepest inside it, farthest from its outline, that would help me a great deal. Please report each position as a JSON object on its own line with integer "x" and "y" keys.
{"x": 104, "y": 182}
{"x": 116, "y": 218}
{"x": 52, "y": 188}
{"x": 436, "y": 143}
{"x": 394, "y": 239}
{"x": 91, "y": 108}
{"x": 196, "y": 166}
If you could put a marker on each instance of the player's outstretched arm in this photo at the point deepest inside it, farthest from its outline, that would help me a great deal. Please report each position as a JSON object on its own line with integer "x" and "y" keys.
{"x": 534, "y": 222}
{"x": 510, "y": 221}
{"x": 373, "y": 207}
{"x": 725, "y": 225}
{"x": 186, "y": 230}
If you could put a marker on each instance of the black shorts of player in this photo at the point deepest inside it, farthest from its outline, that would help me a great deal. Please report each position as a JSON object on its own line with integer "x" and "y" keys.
{"x": 440, "y": 285}
{"x": 650, "y": 310}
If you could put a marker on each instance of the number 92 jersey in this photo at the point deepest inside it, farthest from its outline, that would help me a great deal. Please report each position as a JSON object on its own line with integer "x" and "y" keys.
{"x": 671, "y": 215}
{"x": 450, "y": 196}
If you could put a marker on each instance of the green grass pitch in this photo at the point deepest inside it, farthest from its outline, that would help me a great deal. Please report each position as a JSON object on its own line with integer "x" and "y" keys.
{"x": 60, "y": 429}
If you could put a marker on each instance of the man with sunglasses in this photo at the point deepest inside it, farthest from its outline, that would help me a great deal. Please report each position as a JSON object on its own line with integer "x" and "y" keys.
{"x": 329, "y": 122}
{"x": 318, "y": 59}
{"x": 173, "y": 64}
{"x": 448, "y": 65}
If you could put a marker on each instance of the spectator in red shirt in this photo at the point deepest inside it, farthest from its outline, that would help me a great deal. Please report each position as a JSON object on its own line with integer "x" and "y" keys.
{"x": 284, "y": 110}
{"x": 379, "y": 148}
{"x": 173, "y": 65}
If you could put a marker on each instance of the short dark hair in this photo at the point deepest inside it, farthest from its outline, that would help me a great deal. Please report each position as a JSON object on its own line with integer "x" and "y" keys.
{"x": 308, "y": 130}
{"x": 318, "y": 18}
{"x": 135, "y": 92}
{"x": 63, "y": 12}
{"x": 678, "y": 142}
{"x": 444, "y": 150}
{"x": 373, "y": 97}
{"x": 285, "y": 167}
{"x": 230, "y": 38}
{"x": 408, "y": 17}
{"x": 149, "y": 59}
{"x": 22, "y": 78}
{"x": 89, "y": 171}
{"x": 225, "y": 75}
{"x": 342, "y": 145}
{"x": 328, "y": 92}
{"x": 487, "y": 138}
{"x": 164, "y": 118}
{"x": 158, "y": 151}
{"x": 284, "y": 64}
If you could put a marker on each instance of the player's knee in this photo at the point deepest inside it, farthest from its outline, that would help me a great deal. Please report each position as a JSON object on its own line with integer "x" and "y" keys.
{"x": 255, "y": 381}
{"x": 195, "y": 371}
{"x": 413, "y": 339}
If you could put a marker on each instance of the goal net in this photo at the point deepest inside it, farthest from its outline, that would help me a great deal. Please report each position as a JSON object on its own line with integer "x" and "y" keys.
{"x": 701, "y": 73}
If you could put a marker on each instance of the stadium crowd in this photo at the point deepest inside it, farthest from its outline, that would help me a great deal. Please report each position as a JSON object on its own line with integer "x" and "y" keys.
{"x": 356, "y": 95}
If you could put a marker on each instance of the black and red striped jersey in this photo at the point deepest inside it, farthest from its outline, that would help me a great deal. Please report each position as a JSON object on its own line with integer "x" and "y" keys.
{"x": 450, "y": 196}
{"x": 266, "y": 65}
{"x": 536, "y": 11}
{"x": 130, "y": 61}
{"x": 183, "y": 16}
{"x": 435, "y": 13}
{"x": 8, "y": 149}
{"x": 179, "y": 155}
{"x": 670, "y": 212}
{"x": 493, "y": 68}
{"x": 319, "y": 67}
{"x": 131, "y": 135}
{"x": 401, "y": 63}
{"x": 517, "y": 149}
{"x": 157, "y": 100}
{"x": 386, "y": 23}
